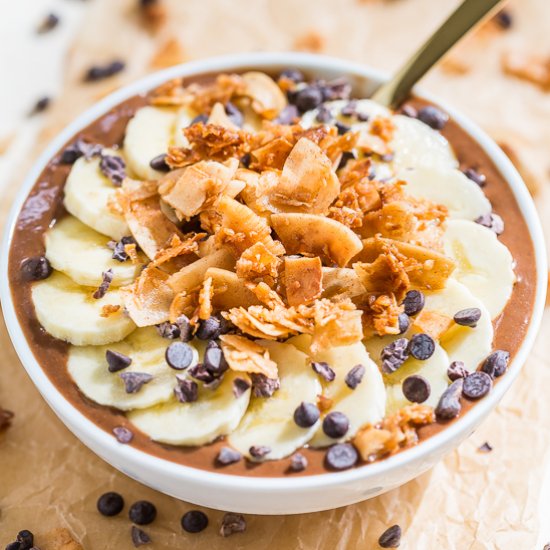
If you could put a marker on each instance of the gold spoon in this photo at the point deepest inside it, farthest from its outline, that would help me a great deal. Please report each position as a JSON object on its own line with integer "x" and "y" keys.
{"x": 466, "y": 16}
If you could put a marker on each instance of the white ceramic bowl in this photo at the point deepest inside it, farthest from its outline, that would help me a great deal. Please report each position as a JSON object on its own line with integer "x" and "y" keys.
{"x": 286, "y": 495}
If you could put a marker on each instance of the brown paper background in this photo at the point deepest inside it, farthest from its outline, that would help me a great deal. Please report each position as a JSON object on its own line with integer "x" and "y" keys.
{"x": 474, "y": 501}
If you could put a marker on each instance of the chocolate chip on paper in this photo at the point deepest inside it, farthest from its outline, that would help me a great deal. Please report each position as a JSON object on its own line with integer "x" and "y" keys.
{"x": 355, "y": 376}
{"x": 394, "y": 355}
{"x": 227, "y": 456}
{"x": 485, "y": 448}
{"x": 134, "y": 381}
{"x": 113, "y": 168}
{"x": 13, "y": 546}
{"x": 186, "y": 391}
{"x": 25, "y": 539}
{"x": 116, "y": 360}
{"x": 139, "y": 537}
{"x": 477, "y": 385}
{"x": 391, "y": 537}
{"x": 110, "y": 504}
{"x": 298, "y": 463}
{"x": 5, "y": 418}
{"x": 492, "y": 221}
{"x": 123, "y": 435}
{"x": 105, "y": 284}
{"x": 41, "y": 105}
{"x": 142, "y": 512}
{"x": 231, "y": 524}
{"x": 100, "y": 72}
{"x": 341, "y": 456}
{"x": 194, "y": 521}
{"x": 449, "y": 405}
{"x": 323, "y": 369}
{"x": 50, "y": 22}
{"x": 496, "y": 364}
{"x": 504, "y": 19}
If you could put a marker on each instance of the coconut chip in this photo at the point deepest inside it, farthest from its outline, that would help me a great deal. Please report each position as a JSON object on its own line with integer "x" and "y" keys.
{"x": 258, "y": 264}
{"x": 303, "y": 279}
{"x": 267, "y": 98}
{"x": 219, "y": 117}
{"x": 244, "y": 355}
{"x": 178, "y": 247}
{"x": 432, "y": 323}
{"x": 206, "y": 293}
{"x": 109, "y": 309}
{"x": 380, "y": 314}
{"x": 229, "y": 290}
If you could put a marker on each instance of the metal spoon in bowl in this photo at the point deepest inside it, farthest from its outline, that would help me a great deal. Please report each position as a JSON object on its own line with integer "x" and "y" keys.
{"x": 466, "y": 16}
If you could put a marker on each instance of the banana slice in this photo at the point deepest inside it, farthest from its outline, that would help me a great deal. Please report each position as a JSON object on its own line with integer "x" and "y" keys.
{"x": 149, "y": 134}
{"x": 464, "y": 198}
{"x": 83, "y": 254}
{"x": 88, "y": 194}
{"x": 88, "y": 367}
{"x": 183, "y": 119}
{"x": 270, "y": 421}
{"x": 366, "y": 107}
{"x": 216, "y": 412}
{"x": 484, "y": 264}
{"x": 363, "y": 405}
{"x": 69, "y": 312}
{"x": 416, "y": 144}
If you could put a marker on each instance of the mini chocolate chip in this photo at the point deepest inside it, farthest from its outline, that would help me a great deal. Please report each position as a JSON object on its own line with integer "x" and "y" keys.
{"x": 409, "y": 110}
{"x": 475, "y": 176}
{"x": 449, "y": 403}
{"x": 323, "y": 369}
{"x": 432, "y": 116}
{"x": 209, "y": 329}
{"x": 194, "y": 521}
{"x": 200, "y": 372}
{"x": 240, "y": 385}
{"x": 413, "y": 302}
{"x": 170, "y": 331}
{"x": 113, "y": 168}
{"x": 105, "y": 284}
{"x": 187, "y": 391}
{"x": 134, "y": 381}
{"x": 231, "y": 524}
{"x": 234, "y": 114}
{"x": 25, "y": 539}
{"x": 159, "y": 163}
{"x": 307, "y": 98}
{"x": 341, "y": 456}
{"x": 504, "y": 19}
{"x": 492, "y": 221}
{"x": 457, "y": 370}
{"x": 467, "y": 317}
{"x": 355, "y": 376}
{"x": 485, "y": 448}
{"x": 41, "y": 105}
{"x": 391, "y": 537}
{"x": 119, "y": 249}
{"x": 262, "y": 386}
{"x": 477, "y": 385}
{"x": 46, "y": 25}
{"x": 306, "y": 414}
{"x": 349, "y": 109}
{"x": 117, "y": 361}
{"x": 246, "y": 159}
{"x": 80, "y": 148}
{"x": 298, "y": 463}
{"x": 99, "y": 72}
{"x": 14, "y": 546}
{"x": 323, "y": 114}
{"x": 259, "y": 451}
{"x": 214, "y": 361}
{"x": 496, "y": 364}
{"x": 215, "y": 383}
{"x": 228, "y": 456}
{"x": 186, "y": 330}
{"x": 404, "y": 323}
{"x": 179, "y": 355}
{"x": 421, "y": 346}
{"x": 123, "y": 434}
{"x": 339, "y": 88}
{"x": 36, "y": 269}
{"x": 139, "y": 537}
{"x": 335, "y": 424}
{"x": 346, "y": 156}
{"x": 292, "y": 74}
{"x": 110, "y": 504}
{"x": 288, "y": 115}
{"x": 394, "y": 355}
{"x": 142, "y": 512}
{"x": 342, "y": 128}
{"x": 199, "y": 118}
{"x": 416, "y": 388}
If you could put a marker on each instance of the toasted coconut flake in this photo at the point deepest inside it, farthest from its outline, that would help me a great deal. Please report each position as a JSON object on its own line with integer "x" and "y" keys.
{"x": 184, "y": 303}
{"x": 324, "y": 403}
{"x": 376, "y": 137}
{"x": 131, "y": 250}
{"x": 206, "y": 293}
{"x": 219, "y": 117}
{"x": 303, "y": 279}
{"x": 267, "y": 296}
{"x": 109, "y": 309}
{"x": 258, "y": 264}
{"x": 267, "y": 98}
{"x": 178, "y": 247}
{"x": 380, "y": 314}
{"x": 229, "y": 290}
{"x": 149, "y": 298}
{"x": 316, "y": 235}
{"x": 244, "y": 355}
{"x": 222, "y": 90}
{"x": 432, "y": 323}
{"x": 171, "y": 93}
{"x": 340, "y": 283}
{"x": 272, "y": 155}
{"x": 258, "y": 189}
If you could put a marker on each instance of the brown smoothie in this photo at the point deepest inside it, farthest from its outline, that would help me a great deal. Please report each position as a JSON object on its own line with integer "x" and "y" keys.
{"x": 44, "y": 206}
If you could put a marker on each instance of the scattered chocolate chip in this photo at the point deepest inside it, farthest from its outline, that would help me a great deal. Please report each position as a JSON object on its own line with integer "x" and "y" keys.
{"x": 119, "y": 249}
{"x": 170, "y": 331}
{"x": 214, "y": 360}
{"x": 323, "y": 114}
{"x": 288, "y": 115}
{"x": 432, "y": 116}
{"x": 240, "y": 385}
{"x": 186, "y": 330}
{"x": 139, "y": 537}
{"x": 117, "y": 361}
{"x": 467, "y": 317}
{"x": 292, "y": 74}
{"x": 449, "y": 403}
{"x": 231, "y": 524}
{"x": 262, "y": 386}
{"x": 36, "y": 269}
{"x": 307, "y": 98}
{"x": 477, "y": 385}
{"x": 394, "y": 355}
{"x": 342, "y": 128}
{"x": 179, "y": 355}
{"x": 13, "y": 546}
{"x": 349, "y": 109}
{"x": 346, "y": 156}
{"x": 485, "y": 448}
{"x": 134, "y": 381}
{"x": 306, "y": 414}
{"x": 113, "y": 168}
{"x": 298, "y": 463}
{"x": 259, "y": 451}
{"x": 355, "y": 376}
{"x": 80, "y": 148}
{"x": 338, "y": 88}
{"x": 46, "y": 25}
{"x": 209, "y": 329}
{"x": 492, "y": 221}
{"x": 504, "y": 19}
{"x": 214, "y": 384}
{"x": 341, "y": 456}
{"x": 105, "y": 284}
{"x": 200, "y": 372}
{"x": 187, "y": 391}
{"x": 194, "y": 521}
{"x": 323, "y": 369}
{"x": 335, "y": 424}
{"x": 199, "y": 118}
{"x": 5, "y": 418}
{"x": 409, "y": 110}
{"x": 457, "y": 370}
{"x": 99, "y": 72}
{"x": 159, "y": 163}
{"x": 421, "y": 346}
{"x": 391, "y": 537}
{"x": 475, "y": 176}
{"x": 228, "y": 456}
{"x": 41, "y": 105}
{"x": 123, "y": 434}
{"x": 25, "y": 539}
{"x": 404, "y": 323}
{"x": 413, "y": 302}
{"x": 110, "y": 504}
{"x": 496, "y": 364}
{"x": 416, "y": 388}
{"x": 142, "y": 512}
{"x": 234, "y": 114}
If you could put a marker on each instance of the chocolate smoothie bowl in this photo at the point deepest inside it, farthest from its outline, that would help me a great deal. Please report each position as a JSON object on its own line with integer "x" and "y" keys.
{"x": 247, "y": 286}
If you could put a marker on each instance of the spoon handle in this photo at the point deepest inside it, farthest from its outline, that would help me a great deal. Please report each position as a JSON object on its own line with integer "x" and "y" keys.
{"x": 455, "y": 27}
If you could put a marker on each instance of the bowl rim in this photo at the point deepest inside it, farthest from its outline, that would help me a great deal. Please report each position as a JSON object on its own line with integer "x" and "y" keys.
{"x": 124, "y": 454}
